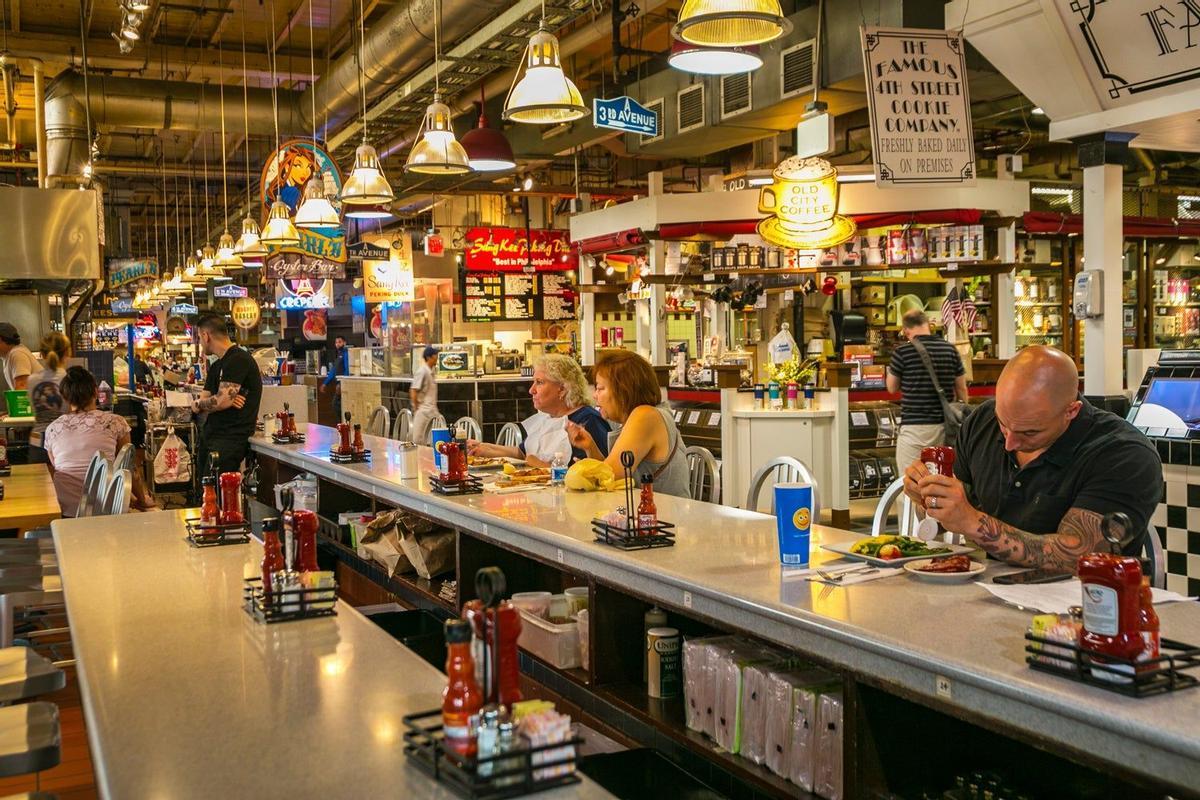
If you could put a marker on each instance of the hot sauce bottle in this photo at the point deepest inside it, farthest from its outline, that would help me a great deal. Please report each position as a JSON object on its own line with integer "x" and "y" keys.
{"x": 343, "y": 429}
{"x": 1112, "y": 610}
{"x": 647, "y": 511}
{"x": 504, "y": 628}
{"x": 359, "y": 447}
{"x": 291, "y": 423}
{"x": 209, "y": 511}
{"x": 305, "y": 524}
{"x": 462, "y": 698}
{"x": 272, "y": 561}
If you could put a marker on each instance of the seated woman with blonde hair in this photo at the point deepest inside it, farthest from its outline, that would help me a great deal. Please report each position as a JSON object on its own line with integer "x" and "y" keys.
{"x": 628, "y": 393}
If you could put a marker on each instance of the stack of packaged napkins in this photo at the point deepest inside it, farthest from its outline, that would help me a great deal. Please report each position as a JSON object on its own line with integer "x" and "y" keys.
{"x": 768, "y": 707}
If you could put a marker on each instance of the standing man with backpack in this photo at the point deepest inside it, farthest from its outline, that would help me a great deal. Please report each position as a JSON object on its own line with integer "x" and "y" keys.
{"x": 928, "y": 373}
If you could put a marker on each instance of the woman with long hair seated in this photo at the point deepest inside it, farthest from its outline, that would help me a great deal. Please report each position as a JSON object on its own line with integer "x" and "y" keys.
{"x": 627, "y": 392}
{"x": 73, "y": 438}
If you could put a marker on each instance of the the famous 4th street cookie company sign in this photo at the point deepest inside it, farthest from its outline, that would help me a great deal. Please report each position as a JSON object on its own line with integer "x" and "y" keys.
{"x": 920, "y": 110}
{"x": 624, "y": 114}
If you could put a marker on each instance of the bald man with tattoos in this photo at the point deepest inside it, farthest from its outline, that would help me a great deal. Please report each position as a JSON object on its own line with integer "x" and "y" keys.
{"x": 1037, "y": 468}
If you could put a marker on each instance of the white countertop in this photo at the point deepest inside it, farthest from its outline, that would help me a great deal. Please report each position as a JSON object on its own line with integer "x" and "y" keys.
{"x": 766, "y": 413}
{"x": 186, "y": 696}
{"x": 898, "y": 631}
{"x": 441, "y": 378}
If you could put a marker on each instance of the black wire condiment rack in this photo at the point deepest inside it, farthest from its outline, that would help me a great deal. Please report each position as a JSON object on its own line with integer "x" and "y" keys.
{"x": 206, "y": 534}
{"x": 632, "y": 535}
{"x": 293, "y": 602}
{"x": 510, "y": 774}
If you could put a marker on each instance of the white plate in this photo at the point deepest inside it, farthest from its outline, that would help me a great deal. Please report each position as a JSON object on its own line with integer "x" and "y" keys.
{"x": 977, "y": 569}
{"x": 499, "y": 464}
{"x": 844, "y": 550}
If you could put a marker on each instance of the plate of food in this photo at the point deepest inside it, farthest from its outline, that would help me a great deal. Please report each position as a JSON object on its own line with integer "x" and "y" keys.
{"x": 893, "y": 551}
{"x": 956, "y": 568}
{"x": 516, "y": 479}
{"x": 486, "y": 462}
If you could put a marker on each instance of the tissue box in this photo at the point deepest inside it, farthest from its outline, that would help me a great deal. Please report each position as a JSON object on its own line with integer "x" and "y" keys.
{"x": 728, "y": 687}
{"x": 827, "y": 781}
{"x": 802, "y": 752}
{"x": 758, "y": 680}
{"x": 698, "y": 656}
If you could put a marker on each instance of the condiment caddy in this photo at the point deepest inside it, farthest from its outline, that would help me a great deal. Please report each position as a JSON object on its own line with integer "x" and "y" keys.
{"x": 284, "y": 427}
{"x": 452, "y": 476}
{"x": 1112, "y": 640}
{"x": 349, "y": 450}
{"x": 292, "y": 586}
{"x": 224, "y": 516}
{"x": 635, "y": 526}
{"x": 486, "y": 741}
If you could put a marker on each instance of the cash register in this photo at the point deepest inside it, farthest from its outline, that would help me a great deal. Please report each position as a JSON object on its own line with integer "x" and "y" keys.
{"x": 1167, "y": 404}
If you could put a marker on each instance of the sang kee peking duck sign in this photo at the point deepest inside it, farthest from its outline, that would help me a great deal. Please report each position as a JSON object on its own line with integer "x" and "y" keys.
{"x": 505, "y": 250}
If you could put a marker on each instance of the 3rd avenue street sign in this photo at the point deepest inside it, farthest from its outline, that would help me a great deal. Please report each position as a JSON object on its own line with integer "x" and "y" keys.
{"x": 624, "y": 114}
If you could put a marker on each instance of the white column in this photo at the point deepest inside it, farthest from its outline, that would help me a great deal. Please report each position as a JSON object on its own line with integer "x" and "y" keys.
{"x": 1004, "y": 329}
{"x": 1103, "y": 244}
{"x": 651, "y": 330}
{"x": 587, "y": 302}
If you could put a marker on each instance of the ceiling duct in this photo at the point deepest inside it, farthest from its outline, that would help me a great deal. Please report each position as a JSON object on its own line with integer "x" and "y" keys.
{"x": 48, "y": 234}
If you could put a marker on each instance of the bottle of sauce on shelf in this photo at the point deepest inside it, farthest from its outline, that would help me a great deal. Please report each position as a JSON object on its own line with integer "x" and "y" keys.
{"x": 359, "y": 447}
{"x": 647, "y": 511}
{"x": 272, "y": 560}
{"x": 1112, "y": 610}
{"x": 231, "y": 498}
{"x": 209, "y": 510}
{"x": 343, "y": 429}
{"x": 305, "y": 524}
{"x": 462, "y": 698}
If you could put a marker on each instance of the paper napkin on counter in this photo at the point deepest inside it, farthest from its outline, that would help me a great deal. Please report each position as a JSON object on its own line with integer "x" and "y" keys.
{"x": 1057, "y": 598}
{"x": 850, "y": 580}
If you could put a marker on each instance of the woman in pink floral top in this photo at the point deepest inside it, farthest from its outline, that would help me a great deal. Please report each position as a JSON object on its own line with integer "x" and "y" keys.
{"x": 72, "y": 439}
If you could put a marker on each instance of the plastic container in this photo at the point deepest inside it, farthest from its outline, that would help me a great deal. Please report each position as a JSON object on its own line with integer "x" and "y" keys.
{"x": 535, "y": 603}
{"x": 557, "y": 645}
{"x": 18, "y": 403}
{"x": 582, "y": 621}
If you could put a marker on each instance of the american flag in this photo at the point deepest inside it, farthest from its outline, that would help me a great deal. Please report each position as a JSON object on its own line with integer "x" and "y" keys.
{"x": 951, "y": 307}
{"x": 967, "y": 312}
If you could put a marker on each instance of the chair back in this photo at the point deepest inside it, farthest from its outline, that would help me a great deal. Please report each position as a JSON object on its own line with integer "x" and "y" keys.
{"x": 510, "y": 435}
{"x": 783, "y": 469}
{"x": 906, "y": 516}
{"x": 379, "y": 422}
{"x": 704, "y": 474}
{"x": 402, "y": 425}
{"x": 474, "y": 431}
{"x": 437, "y": 422}
{"x": 93, "y": 479}
{"x": 118, "y": 494}
{"x": 123, "y": 458}
{"x": 1157, "y": 558}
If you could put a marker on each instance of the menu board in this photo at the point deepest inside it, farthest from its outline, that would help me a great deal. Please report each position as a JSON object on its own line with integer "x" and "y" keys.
{"x": 518, "y": 297}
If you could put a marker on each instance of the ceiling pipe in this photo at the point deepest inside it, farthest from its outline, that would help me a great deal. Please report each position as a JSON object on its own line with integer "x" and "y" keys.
{"x": 39, "y": 118}
{"x": 499, "y": 84}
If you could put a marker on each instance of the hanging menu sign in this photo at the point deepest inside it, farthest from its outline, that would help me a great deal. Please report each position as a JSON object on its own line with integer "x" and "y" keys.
{"x": 920, "y": 110}
{"x": 506, "y": 250}
{"x": 508, "y": 297}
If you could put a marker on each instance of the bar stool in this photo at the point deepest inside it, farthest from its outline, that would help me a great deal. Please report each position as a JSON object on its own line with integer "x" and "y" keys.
{"x": 783, "y": 469}
{"x": 510, "y": 435}
{"x": 704, "y": 474}
{"x": 379, "y": 422}
{"x": 25, "y": 674}
{"x": 118, "y": 494}
{"x": 30, "y": 738}
{"x": 402, "y": 426}
{"x": 474, "y": 431}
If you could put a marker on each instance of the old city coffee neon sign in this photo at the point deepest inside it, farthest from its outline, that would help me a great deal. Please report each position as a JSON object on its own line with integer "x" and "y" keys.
{"x": 506, "y": 250}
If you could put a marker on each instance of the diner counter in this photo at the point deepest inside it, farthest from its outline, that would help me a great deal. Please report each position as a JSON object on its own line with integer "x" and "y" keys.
{"x": 186, "y": 696}
{"x": 440, "y": 377}
{"x": 948, "y": 646}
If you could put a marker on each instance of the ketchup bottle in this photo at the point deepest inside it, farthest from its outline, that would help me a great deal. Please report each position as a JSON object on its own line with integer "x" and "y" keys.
{"x": 359, "y": 447}
{"x": 305, "y": 524}
{"x": 1112, "y": 610}
{"x": 291, "y": 423}
{"x": 272, "y": 561}
{"x": 209, "y": 512}
{"x": 504, "y": 680}
{"x": 343, "y": 429}
{"x": 1148, "y": 619}
{"x": 231, "y": 498}
{"x": 461, "y": 699}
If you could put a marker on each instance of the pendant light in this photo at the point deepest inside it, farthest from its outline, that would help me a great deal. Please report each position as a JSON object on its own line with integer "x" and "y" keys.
{"x": 366, "y": 185}
{"x": 248, "y": 245}
{"x": 226, "y": 257}
{"x": 714, "y": 60}
{"x": 436, "y": 151}
{"x": 191, "y": 270}
{"x": 210, "y": 270}
{"x": 279, "y": 231}
{"x": 487, "y": 148}
{"x": 543, "y": 95}
{"x": 730, "y": 23}
{"x": 315, "y": 210}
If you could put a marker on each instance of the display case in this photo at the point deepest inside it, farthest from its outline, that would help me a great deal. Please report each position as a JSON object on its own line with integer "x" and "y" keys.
{"x": 1175, "y": 295}
{"x": 1041, "y": 289}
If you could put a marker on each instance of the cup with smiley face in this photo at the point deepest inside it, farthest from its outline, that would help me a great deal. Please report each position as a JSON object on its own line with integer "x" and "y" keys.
{"x": 794, "y": 513}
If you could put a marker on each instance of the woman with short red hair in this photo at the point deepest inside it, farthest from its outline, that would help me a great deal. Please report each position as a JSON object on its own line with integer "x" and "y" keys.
{"x": 627, "y": 392}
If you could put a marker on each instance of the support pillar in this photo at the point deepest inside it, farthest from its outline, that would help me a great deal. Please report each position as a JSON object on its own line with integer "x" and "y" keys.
{"x": 1004, "y": 327}
{"x": 587, "y": 302}
{"x": 1102, "y": 159}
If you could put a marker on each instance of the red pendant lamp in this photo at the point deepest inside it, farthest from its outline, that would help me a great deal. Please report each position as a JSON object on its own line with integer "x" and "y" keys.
{"x": 488, "y": 149}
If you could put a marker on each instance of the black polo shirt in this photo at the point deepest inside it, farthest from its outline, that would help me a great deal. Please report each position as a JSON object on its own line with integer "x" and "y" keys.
{"x": 1101, "y": 463}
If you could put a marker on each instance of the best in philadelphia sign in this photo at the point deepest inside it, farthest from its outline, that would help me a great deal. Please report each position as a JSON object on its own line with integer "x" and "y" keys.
{"x": 920, "y": 110}
{"x": 624, "y": 114}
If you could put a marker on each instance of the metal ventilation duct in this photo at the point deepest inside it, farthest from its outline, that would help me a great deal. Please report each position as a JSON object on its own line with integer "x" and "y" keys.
{"x": 49, "y": 234}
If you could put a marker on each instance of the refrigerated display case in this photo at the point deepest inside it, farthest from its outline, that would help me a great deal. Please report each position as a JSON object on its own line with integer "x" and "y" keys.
{"x": 1038, "y": 297}
{"x": 1175, "y": 295}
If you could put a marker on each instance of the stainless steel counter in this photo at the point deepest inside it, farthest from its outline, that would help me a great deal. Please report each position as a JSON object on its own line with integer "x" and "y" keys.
{"x": 186, "y": 696}
{"x": 898, "y": 632}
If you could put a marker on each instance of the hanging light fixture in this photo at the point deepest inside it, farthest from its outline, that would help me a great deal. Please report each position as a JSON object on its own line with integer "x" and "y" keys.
{"x": 248, "y": 245}
{"x": 191, "y": 271}
{"x": 714, "y": 60}
{"x": 436, "y": 151}
{"x": 366, "y": 185}
{"x": 487, "y": 148}
{"x": 280, "y": 232}
{"x": 315, "y": 211}
{"x": 543, "y": 95}
{"x": 730, "y": 23}
{"x": 226, "y": 257}
{"x": 381, "y": 211}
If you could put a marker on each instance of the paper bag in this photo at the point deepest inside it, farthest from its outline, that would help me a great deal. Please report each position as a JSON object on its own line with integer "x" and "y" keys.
{"x": 381, "y": 544}
{"x": 430, "y": 553}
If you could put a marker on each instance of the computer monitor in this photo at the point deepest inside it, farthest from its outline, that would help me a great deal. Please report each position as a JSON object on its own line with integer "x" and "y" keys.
{"x": 1171, "y": 403}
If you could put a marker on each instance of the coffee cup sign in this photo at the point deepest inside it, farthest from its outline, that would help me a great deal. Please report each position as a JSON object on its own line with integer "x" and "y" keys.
{"x": 802, "y": 201}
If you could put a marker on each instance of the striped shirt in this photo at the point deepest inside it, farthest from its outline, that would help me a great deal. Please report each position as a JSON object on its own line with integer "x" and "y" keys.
{"x": 919, "y": 404}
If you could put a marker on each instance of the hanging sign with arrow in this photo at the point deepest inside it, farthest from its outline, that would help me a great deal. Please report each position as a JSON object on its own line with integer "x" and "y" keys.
{"x": 624, "y": 114}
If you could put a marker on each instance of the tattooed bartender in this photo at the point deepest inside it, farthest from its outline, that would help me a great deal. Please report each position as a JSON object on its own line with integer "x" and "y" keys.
{"x": 230, "y": 397}
{"x": 1037, "y": 468}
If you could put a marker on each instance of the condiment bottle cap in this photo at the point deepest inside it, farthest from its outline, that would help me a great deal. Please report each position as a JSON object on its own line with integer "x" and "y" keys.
{"x": 458, "y": 631}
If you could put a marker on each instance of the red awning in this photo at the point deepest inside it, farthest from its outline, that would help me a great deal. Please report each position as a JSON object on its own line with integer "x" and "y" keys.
{"x": 1148, "y": 227}
{"x": 622, "y": 240}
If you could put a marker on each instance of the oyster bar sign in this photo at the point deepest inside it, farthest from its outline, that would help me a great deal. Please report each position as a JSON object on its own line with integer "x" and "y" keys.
{"x": 624, "y": 114}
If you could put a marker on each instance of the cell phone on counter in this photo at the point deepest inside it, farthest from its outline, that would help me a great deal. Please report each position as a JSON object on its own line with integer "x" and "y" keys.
{"x": 1031, "y": 576}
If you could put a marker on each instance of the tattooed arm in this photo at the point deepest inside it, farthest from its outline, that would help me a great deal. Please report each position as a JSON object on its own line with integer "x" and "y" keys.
{"x": 227, "y": 396}
{"x": 1078, "y": 533}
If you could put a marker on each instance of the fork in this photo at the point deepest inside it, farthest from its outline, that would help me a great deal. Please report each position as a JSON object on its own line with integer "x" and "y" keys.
{"x": 837, "y": 577}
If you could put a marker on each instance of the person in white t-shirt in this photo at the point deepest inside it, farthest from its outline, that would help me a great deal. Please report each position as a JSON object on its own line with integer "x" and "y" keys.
{"x": 19, "y": 363}
{"x": 560, "y": 393}
{"x": 423, "y": 394}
